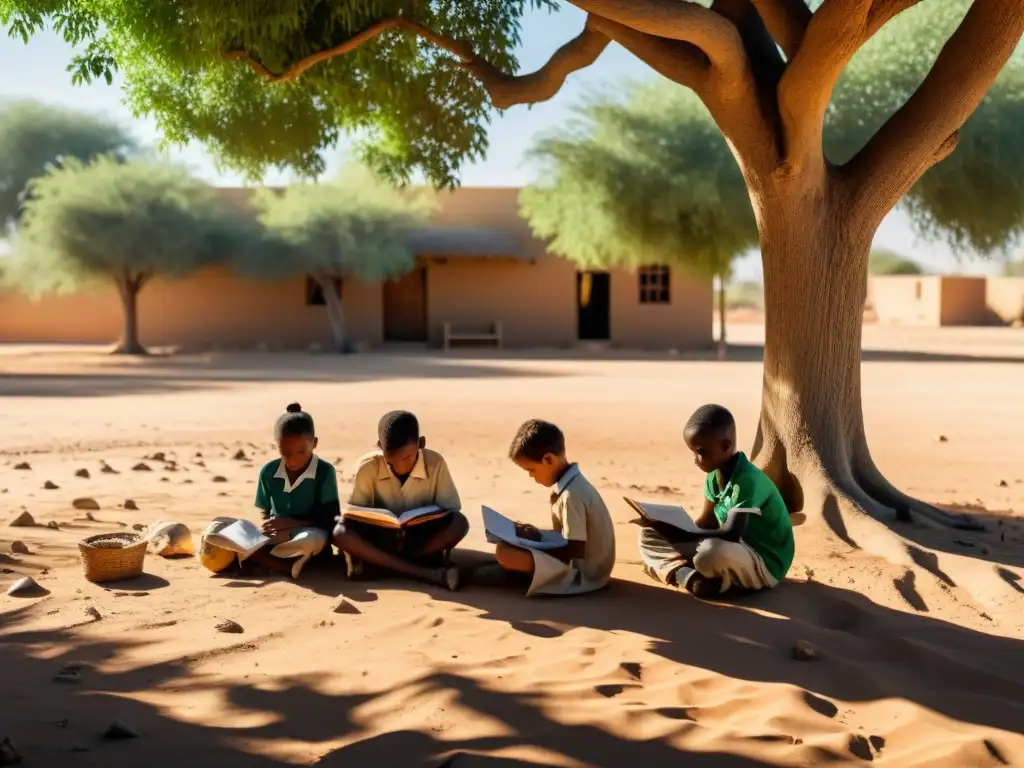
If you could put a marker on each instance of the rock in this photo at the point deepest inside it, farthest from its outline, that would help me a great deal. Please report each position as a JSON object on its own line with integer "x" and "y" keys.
{"x": 804, "y": 650}
{"x": 219, "y": 479}
{"x": 20, "y": 548}
{"x": 187, "y": 481}
{"x": 107, "y": 469}
{"x": 24, "y": 586}
{"x": 24, "y": 465}
{"x": 1003, "y": 484}
{"x": 86, "y": 503}
{"x": 130, "y": 504}
{"x": 240, "y": 455}
{"x": 344, "y": 605}
{"x": 200, "y": 463}
{"x": 229, "y": 627}
{"x": 158, "y": 456}
{"x": 169, "y": 539}
{"x": 24, "y": 520}
{"x": 120, "y": 730}
{"x": 49, "y": 485}
{"x": 165, "y": 479}
{"x": 92, "y": 613}
{"x": 53, "y": 525}
{"x": 198, "y": 455}
{"x": 942, "y": 439}
{"x": 8, "y": 754}
{"x": 142, "y": 467}
{"x": 83, "y": 473}
{"x": 138, "y": 527}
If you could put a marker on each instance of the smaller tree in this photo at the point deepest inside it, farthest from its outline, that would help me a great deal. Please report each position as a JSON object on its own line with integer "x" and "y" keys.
{"x": 645, "y": 180}
{"x": 359, "y": 226}
{"x": 35, "y": 136}
{"x": 88, "y": 223}
{"x": 883, "y": 262}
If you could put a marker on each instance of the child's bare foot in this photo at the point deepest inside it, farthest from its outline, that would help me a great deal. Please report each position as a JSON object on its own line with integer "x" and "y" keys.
{"x": 703, "y": 587}
{"x": 447, "y": 577}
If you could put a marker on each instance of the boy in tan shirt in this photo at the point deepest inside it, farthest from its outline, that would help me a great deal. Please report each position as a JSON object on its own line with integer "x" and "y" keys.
{"x": 577, "y": 512}
{"x": 403, "y": 474}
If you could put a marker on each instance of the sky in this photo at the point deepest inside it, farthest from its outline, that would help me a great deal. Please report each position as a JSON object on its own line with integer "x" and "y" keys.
{"x": 37, "y": 71}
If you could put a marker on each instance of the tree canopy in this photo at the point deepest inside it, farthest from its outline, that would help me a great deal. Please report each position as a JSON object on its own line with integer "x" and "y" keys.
{"x": 34, "y": 136}
{"x": 886, "y": 262}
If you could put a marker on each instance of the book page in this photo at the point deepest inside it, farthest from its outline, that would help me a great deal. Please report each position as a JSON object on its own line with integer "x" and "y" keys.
{"x": 421, "y": 514}
{"x": 500, "y": 528}
{"x": 241, "y": 536}
{"x": 371, "y": 515}
{"x": 677, "y": 517}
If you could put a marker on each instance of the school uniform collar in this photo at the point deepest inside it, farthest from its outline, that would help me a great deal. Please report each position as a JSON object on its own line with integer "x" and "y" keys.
{"x": 563, "y": 482}
{"x": 741, "y": 462}
{"x": 309, "y": 473}
{"x": 419, "y": 470}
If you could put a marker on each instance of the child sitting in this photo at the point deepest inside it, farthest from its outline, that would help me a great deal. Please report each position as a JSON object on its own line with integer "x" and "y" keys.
{"x": 297, "y": 498}
{"x": 757, "y": 552}
{"x": 403, "y": 474}
{"x": 577, "y": 512}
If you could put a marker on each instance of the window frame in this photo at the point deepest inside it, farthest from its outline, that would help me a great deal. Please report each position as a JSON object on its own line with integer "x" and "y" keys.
{"x": 654, "y": 285}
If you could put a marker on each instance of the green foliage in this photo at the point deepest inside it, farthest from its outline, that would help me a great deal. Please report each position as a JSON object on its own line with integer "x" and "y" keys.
{"x": 109, "y": 220}
{"x": 643, "y": 180}
{"x": 1013, "y": 269}
{"x": 34, "y": 136}
{"x": 412, "y": 106}
{"x": 745, "y": 295}
{"x": 358, "y": 226}
{"x": 885, "y": 262}
{"x": 975, "y": 198}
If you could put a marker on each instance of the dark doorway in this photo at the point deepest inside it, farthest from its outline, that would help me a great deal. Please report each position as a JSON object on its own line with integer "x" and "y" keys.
{"x": 594, "y": 306}
{"x": 405, "y": 307}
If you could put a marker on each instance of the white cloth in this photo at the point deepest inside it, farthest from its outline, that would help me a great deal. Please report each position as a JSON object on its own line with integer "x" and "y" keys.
{"x": 732, "y": 561}
{"x": 303, "y": 544}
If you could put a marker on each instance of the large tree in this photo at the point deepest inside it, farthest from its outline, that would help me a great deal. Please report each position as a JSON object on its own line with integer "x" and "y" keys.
{"x": 109, "y": 222}
{"x": 34, "y": 137}
{"x": 639, "y": 181}
{"x": 276, "y": 83}
{"x": 359, "y": 226}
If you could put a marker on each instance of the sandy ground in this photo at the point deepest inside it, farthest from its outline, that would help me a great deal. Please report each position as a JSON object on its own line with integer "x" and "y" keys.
{"x": 921, "y": 660}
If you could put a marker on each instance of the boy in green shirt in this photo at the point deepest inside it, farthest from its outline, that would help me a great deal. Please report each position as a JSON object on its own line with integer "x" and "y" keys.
{"x": 756, "y": 552}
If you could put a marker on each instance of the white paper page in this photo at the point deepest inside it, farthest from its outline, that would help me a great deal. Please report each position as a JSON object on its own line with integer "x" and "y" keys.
{"x": 500, "y": 528}
{"x": 240, "y": 536}
{"x": 679, "y": 518}
{"x": 412, "y": 514}
{"x": 375, "y": 510}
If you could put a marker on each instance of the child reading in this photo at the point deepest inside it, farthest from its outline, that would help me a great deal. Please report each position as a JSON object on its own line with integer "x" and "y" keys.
{"x": 296, "y": 496}
{"x": 401, "y": 475}
{"x": 577, "y": 511}
{"x": 759, "y": 550}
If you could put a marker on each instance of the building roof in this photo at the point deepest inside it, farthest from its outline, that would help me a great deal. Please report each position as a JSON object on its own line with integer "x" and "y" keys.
{"x": 468, "y": 242}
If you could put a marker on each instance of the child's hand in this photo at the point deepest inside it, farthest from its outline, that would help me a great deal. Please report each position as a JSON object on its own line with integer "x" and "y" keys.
{"x": 528, "y": 532}
{"x": 277, "y": 525}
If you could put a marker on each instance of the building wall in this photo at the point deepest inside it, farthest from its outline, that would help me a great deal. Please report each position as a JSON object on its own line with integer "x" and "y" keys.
{"x": 684, "y": 323}
{"x": 963, "y": 301}
{"x": 907, "y": 300}
{"x": 1004, "y": 297}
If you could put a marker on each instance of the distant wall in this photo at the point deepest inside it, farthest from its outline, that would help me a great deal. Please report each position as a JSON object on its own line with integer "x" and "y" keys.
{"x": 963, "y": 301}
{"x": 1004, "y": 297}
{"x": 906, "y": 300}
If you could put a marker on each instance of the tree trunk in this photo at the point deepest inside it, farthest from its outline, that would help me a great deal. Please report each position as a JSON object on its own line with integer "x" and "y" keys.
{"x": 811, "y": 439}
{"x": 335, "y": 312}
{"x": 722, "y": 343}
{"x": 128, "y": 289}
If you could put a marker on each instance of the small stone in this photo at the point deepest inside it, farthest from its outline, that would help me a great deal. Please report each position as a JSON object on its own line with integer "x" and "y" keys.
{"x": 804, "y": 650}
{"x": 130, "y": 504}
{"x": 53, "y": 525}
{"x": 344, "y": 605}
{"x": 86, "y": 503}
{"x": 200, "y": 463}
{"x": 138, "y": 527}
{"x": 83, "y": 473}
{"x": 24, "y": 465}
{"x": 165, "y": 479}
{"x": 219, "y": 479}
{"x": 942, "y": 439}
{"x": 8, "y": 754}
{"x": 20, "y": 548}
{"x": 142, "y": 467}
{"x": 24, "y": 520}
{"x": 24, "y": 586}
{"x": 229, "y": 627}
{"x": 240, "y": 455}
{"x": 106, "y": 469}
{"x": 49, "y": 485}
{"x": 158, "y": 456}
{"x": 120, "y": 730}
{"x": 92, "y": 613}
{"x": 198, "y": 455}
{"x": 187, "y": 481}
{"x": 1003, "y": 484}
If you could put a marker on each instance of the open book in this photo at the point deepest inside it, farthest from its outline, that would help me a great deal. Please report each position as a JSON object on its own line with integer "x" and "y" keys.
{"x": 389, "y": 519}
{"x": 497, "y": 528}
{"x": 678, "y": 518}
{"x": 241, "y": 536}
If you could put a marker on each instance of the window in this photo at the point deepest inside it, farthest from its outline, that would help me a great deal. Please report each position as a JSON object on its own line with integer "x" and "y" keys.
{"x": 654, "y": 285}
{"x": 315, "y": 295}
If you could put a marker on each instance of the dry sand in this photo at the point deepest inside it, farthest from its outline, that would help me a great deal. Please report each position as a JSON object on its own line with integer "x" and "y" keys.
{"x": 921, "y": 662}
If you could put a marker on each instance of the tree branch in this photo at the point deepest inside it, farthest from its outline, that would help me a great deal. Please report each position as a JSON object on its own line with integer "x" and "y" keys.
{"x": 924, "y": 131}
{"x": 787, "y": 21}
{"x": 504, "y": 90}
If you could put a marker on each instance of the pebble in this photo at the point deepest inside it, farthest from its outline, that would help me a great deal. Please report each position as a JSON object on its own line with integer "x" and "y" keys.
{"x": 49, "y": 485}
{"x": 344, "y": 605}
{"x": 130, "y": 504}
{"x": 53, "y": 525}
{"x": 107, "y": 469}
{"x": 804, "y": 650}
{"x": 158, "y": 456}
{"x": 240, "y": 455}
{"x": 23, "y": 465}
{"x": 229, "y": 627}
{"x": 141, "y": 467}
{"x": 86, "y": 503}
{"x": 219, "y": 479}
{"x": 83, "y": 473}
{"x": 92, "y": 613}
{"x": 20, "y": 548}
{"x": 138, "y": 527}
{"x": 24, "y": 520}
{"x": 8, "y": 754}
{"x": 1003, "y": 484}
{"x": 942, "y": 439}
{"x": 23, "y": 586}
{"x": 120, "y": 730}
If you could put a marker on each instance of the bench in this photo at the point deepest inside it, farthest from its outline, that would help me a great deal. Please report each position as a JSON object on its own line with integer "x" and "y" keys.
{"x": 480, "y": 337}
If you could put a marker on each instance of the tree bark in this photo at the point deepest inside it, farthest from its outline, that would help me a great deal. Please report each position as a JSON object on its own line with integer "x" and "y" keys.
{"x": 811, "y": 439}
{"x": 335, "y": 312}
{"x": 128, "y": 288}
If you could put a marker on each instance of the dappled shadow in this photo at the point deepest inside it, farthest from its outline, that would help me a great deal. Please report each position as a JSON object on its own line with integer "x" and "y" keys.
{"x": 754, "y": 353}
{"x": 1001, "y": 542}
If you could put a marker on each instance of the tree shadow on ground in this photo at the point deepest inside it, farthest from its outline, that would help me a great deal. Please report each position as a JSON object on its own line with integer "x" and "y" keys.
{"x": 754, "y": 353}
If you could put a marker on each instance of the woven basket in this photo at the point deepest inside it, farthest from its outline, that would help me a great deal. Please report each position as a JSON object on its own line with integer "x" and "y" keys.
{"x": 112, "y": 556}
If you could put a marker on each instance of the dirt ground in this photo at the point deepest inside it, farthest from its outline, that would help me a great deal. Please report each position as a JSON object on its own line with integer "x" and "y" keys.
{"x": 921, "y": 659}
